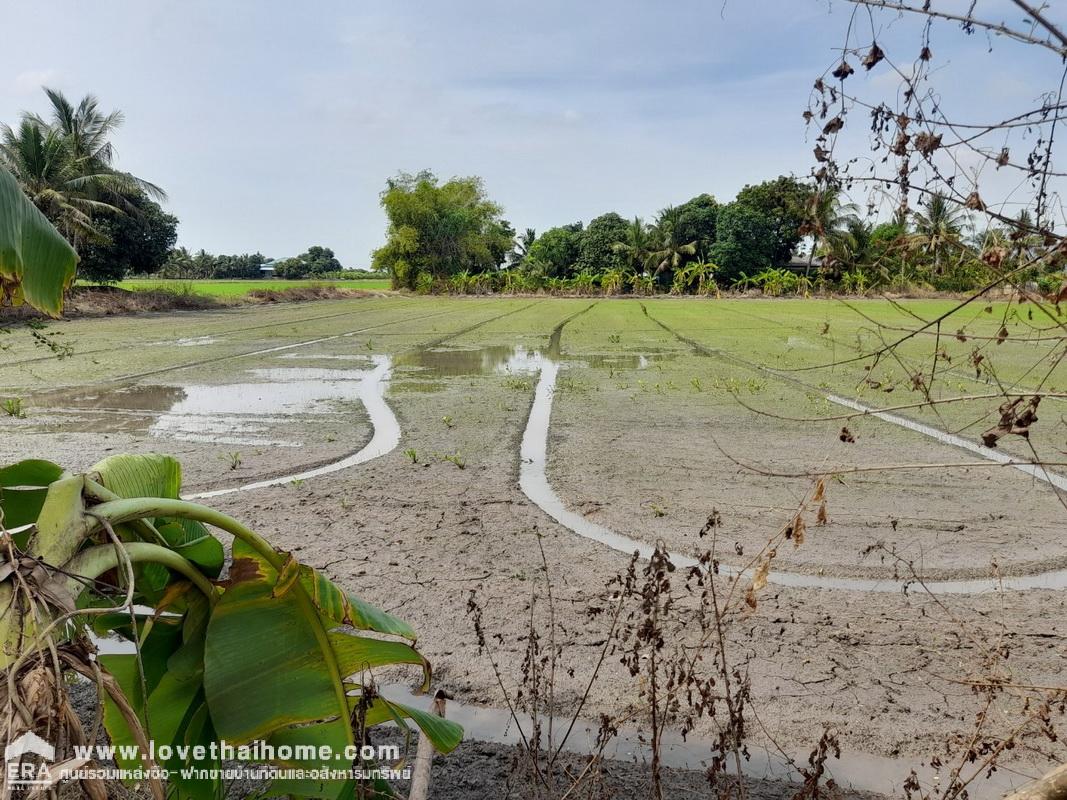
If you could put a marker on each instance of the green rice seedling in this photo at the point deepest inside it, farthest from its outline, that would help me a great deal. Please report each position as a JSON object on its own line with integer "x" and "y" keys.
{"x": 412, "y": 454}
{"x": 456, "y": 459}
{"x": 447, "y": 420}
{"x": 233, "y": 459}
{"x": 13, "y": 407}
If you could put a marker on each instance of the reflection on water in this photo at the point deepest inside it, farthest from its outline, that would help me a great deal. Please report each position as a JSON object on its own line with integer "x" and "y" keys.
{"x": 618, "y": 361}
{"x": 245, "y": 413}
{"x": 252, "y": 412}
{"x": 195, "y": 341}
{"x": 851, "y": 770}
{"x": 126, "y": 398}
{"x": 370, "y": 389}
{"x": 450, "y": 362}
{"x": 325, "y": 357}
{"x": 496, "y": 359}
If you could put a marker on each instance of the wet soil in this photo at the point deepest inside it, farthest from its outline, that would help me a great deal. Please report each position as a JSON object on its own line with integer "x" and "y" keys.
{"x": 635, "y": 446}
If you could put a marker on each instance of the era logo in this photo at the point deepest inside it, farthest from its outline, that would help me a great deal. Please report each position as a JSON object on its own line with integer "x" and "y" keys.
{"x": 20, "y": 772}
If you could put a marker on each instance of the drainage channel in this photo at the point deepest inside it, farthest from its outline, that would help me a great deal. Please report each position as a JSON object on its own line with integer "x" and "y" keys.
{"x": 371, "y": 392}
{"x": 852, "y": 770}
{"x": 533, "y": 480}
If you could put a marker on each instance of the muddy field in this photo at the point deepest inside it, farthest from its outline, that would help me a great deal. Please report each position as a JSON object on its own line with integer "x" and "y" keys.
{"x": 402, "y": 444}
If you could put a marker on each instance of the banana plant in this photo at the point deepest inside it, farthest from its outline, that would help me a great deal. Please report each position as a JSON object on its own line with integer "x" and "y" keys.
{"x": 253, "y": 647}
{"x": 36, "y": 263}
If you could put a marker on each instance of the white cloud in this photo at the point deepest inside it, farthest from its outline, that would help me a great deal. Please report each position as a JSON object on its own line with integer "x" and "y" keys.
{"x": 31, "y": 81}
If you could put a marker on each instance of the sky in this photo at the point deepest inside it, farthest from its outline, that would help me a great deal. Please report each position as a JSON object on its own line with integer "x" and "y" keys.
{"x": 274, "y": 125}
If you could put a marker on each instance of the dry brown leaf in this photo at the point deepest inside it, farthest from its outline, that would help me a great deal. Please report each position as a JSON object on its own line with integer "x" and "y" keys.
{"x": 844, "y": 69}
{"x": 974, "y": 202}
{"x": 798, "y": 531}
{"x": 927, "y": 143}
{"x": 874, "y": 55}
{"x": 750, "y": 598}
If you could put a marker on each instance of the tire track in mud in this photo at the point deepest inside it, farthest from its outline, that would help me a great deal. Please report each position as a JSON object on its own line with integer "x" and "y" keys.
{"x": 533, "y": 480}
{"x": 384, "y": 424}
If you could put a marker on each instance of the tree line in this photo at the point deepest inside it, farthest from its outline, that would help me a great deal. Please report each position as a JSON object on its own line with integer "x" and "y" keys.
{"x": 315, "y": 262}
{"x": 777, "y": 237}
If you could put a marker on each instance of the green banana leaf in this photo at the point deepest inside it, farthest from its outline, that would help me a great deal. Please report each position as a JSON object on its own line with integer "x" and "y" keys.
{"x": 23, "y": 487}
{"x": 296, "y": 690}
{"x": 268, "y": 660}
{"x": 148, "y": 475}
{"x": 36, "y": 263}
{"x": 156, "y": 475}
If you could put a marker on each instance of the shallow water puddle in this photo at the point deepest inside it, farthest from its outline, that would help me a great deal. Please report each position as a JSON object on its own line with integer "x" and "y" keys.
{"x": 450, "y": 362}
{"x": 251, "y": 412}
{"x": 853, "y": 770}
{"x": 370, "y": 390}
{"x": 194, "y": 341}
{"x": 325, "y": 357}
{"x": 504, "y": 359}
{"x": 246, "y": 413}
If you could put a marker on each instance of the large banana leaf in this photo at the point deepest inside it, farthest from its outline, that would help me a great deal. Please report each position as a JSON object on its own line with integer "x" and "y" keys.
{"x": 36, "y": 263}
{"x": 155, "y": 475}
{"x": 300, "y": 664}
{"x": 297, "y": 693}
{"x": 23, "y": 487}
{"x": 148, "y": 475}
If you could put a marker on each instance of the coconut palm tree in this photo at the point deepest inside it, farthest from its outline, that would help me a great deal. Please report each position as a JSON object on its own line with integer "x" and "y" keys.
{"x": 521, "y": 250}
{"x": 635, "y": 246}
{"x": 668, "y": 251}
{"x": 938, "y": 230}
{"x": 828, "y": 223}
{"x": 39, "y": 159}
{"x": 179, "y": 263}
{"x": 847, "y": 247}
{"x": 66, "y": 165}
{"x": 88, "y": 131}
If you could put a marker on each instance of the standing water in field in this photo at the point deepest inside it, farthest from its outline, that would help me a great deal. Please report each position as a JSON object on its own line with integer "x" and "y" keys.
{"x": 370, "y": 389}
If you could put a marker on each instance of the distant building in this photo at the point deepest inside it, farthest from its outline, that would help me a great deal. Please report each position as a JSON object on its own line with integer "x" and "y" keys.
{"x": 802, "y": 264}
{"x": 267, "y": 270}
